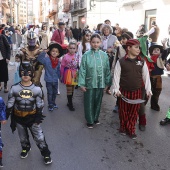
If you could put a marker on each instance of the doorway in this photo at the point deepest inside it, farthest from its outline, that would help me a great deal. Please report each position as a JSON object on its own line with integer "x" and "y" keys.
{"x": 150, "y": 16}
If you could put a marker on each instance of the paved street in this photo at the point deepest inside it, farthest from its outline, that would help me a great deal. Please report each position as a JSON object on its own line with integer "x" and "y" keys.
{"x": 74, "y": 147}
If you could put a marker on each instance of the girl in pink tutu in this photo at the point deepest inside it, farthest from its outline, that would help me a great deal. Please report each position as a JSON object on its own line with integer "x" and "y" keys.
{"x": 69, "y": 72}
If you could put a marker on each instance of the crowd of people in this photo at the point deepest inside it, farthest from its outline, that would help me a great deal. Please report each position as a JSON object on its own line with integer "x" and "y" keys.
{"x": 94, "y": 61}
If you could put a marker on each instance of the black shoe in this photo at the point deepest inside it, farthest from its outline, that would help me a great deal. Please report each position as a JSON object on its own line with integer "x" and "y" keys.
{"x": 90, "y": 126}
{"x": 47, "y": 160}
{"x": 24, "y": 153}
{"x": 165, "y": 121}
{"x": 76, "y": 87}
{"x": 142, "y": 127}
{"x": 97, "y": 122}
{"x": 133, "y": 136}
{"x": 1, "y": 165}
{"x": 155, "y": 108}
{"x": 71, "y": 108}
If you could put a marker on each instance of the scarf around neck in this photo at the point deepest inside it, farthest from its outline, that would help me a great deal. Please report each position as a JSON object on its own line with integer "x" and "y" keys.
{"x": 54, "y": 62}
{"x": 154, "y": 58}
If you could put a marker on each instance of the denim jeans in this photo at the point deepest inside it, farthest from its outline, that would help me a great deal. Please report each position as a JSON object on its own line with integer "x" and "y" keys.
{"x": 52, "y": 90}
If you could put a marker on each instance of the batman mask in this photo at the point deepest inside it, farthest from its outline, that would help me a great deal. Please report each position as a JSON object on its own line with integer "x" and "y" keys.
{"x": 25, "y": 69}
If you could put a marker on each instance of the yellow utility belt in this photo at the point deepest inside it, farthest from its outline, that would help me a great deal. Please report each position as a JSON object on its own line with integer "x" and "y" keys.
{"x": 23, "y": 113}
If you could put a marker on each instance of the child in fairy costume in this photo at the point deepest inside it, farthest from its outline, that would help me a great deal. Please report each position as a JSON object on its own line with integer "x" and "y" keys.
{"x": 69, "y": 72}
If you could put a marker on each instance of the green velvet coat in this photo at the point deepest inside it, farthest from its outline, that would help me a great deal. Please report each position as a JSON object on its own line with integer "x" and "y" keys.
{"x": 94, "y": 70}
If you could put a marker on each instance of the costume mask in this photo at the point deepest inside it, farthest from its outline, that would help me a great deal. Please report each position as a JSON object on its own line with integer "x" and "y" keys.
{"x": 26, "y": 69}
{"x": 31, "y": 38}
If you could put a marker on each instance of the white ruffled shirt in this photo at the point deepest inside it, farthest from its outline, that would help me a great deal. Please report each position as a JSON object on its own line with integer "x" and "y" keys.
{"x": 80, "y": 49}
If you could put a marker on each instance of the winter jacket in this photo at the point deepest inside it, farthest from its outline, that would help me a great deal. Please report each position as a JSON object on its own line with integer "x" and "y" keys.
{"x": 5, "y": 47}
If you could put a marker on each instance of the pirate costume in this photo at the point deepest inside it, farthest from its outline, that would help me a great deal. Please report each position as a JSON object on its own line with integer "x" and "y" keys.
{"x": 25, "y": 105}
{"x": 155, "y": 75}
{"x": 120, "y": 53}
{"x": 129, "y": 76}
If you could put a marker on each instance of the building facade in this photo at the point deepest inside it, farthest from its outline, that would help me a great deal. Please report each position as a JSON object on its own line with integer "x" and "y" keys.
{"x": 53, "y": 12}
{"x": 30, "y": 12}
{"x": 78, "y": 10}
{"x": 91, "y": 12}
{"x": 4, "y": 11}
{"x": 64, "y": 14}
{"x": 132, "y": 13}
{"x": 22, "y": 12}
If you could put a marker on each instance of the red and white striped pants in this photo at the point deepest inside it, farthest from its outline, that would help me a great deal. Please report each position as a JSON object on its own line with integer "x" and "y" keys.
{"x": 128, "y": 113}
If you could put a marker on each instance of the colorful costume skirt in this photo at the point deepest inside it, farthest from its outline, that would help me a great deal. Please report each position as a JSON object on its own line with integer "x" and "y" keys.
{"x": 70, "y": 76}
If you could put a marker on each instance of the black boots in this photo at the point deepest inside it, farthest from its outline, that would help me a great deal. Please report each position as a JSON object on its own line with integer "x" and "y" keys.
{"x": 70, "y": 103}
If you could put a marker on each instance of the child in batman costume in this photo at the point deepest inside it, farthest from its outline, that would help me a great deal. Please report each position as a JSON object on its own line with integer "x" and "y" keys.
{"x": 25, "y": 105}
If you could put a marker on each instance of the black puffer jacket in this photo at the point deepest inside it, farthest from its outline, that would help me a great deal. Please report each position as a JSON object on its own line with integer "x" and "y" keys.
{"x": 5, "y": 47}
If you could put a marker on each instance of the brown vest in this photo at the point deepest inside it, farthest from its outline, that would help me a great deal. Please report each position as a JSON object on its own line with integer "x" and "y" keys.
{"x": 131, "y": 73}
{"x": 154, "y": 36}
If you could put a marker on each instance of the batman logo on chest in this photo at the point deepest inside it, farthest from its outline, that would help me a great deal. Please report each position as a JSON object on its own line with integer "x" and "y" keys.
{"x": 26, "y": 94}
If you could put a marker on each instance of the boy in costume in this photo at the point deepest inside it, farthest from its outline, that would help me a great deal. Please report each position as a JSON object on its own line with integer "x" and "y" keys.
{"x": 130, "y": 73}
{"x": 30, "y": 53}
{"x": 25, "y": 105}
{"x": 51, "y": 63}
{"x": 158, "y": 55}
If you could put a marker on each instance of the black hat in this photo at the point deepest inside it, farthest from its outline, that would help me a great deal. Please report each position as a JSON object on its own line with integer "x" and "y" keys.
{"x": 55, "y": 45}
{"x": 61, "y": 23}
{"x": 155, "y": 46}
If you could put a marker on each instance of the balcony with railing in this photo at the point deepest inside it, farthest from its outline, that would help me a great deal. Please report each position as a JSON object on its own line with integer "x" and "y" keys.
{"x": 77, "y": 5}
